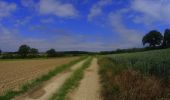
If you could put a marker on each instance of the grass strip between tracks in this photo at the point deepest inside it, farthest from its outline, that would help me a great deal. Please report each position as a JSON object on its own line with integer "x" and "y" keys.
{"x": 71, "y": 82}
{"x": 11, "y": 93}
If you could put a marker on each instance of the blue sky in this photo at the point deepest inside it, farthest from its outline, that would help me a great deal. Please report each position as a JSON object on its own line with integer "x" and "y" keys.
{"x": 91, "y": 25}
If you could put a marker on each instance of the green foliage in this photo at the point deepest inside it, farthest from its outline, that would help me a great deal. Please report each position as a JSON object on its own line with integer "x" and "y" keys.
{"x": 71, "y": 82}
{"x": 51, "y": 53}
{"x": 153, "y": 38}
{"x": 0, "y": 51}
{"x": 24, "y": 50}
{"x": 166, "y": 41}
{"x": 34, "y": 51}
{"x": 8, "y": 56}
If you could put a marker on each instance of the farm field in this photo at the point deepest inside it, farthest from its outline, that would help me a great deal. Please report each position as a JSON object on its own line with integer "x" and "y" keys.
{"x": 127, "y": 76}
{"x": 136, "y": 76}
{"x": 84, "y": 49}
{"x": 14, "y": 73}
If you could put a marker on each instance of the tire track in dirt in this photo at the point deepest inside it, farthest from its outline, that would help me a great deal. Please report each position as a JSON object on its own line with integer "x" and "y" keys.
{"x": 89, "y": 87}
{"x": 46, "y": 90}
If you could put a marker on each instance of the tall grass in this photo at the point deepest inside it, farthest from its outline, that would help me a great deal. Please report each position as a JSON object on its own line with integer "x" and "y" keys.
{"x": 136, "y": 76}
{"x": 11, "y": 93}
{"x": 107, "y": 71}
{"x": 71, "y": 82}
{"x": 155, "y": 62}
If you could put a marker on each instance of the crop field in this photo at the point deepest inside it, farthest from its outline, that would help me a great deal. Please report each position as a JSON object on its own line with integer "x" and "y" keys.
{"x": 136, "y": 76}
{"x": 127, "y": 76}
{"x": 14, "y": 73}
{"x": 152, "y": 62}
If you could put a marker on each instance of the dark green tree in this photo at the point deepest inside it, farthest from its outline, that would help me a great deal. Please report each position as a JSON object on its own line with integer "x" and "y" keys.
{"x": 24, "y": 50}
{"x": 34, "y": 52}
{"x": 166, "y": 40}
{"x": 51, "y": 53}
{"x": 153, "y": 38}
{"x": 0, "y": 51}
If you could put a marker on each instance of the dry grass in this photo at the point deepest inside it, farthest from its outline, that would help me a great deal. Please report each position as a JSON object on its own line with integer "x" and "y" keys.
{"x": 121, "y": 83}
{"x": 13, "y": 74}
{"x": 135, "y": 86}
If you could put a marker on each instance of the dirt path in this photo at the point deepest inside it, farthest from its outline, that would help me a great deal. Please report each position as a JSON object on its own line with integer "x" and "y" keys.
{"x": 45, "y": 91}
{"x": 89, "y": 88}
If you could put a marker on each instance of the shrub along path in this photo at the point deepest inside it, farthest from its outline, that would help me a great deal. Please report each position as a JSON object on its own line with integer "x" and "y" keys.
{"x": 46, "y": 90}
{"x": 89, "y": 87}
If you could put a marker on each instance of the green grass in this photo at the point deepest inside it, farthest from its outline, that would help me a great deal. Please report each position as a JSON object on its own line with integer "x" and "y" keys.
{"x": 11, "y": 94}
{"x": 71, "y": 82}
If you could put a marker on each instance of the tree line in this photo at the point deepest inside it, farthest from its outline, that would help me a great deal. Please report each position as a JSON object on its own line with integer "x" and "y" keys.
{"x": 25, "y": 51}
{"x": 155, "y": 39}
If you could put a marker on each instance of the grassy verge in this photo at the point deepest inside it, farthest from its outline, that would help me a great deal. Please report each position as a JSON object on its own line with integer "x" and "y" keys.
{"x": 106, "y": 71}
{"x": 124, "y": 83}
{"x": 71, "y": 82}
{"x": 11, "y": 94}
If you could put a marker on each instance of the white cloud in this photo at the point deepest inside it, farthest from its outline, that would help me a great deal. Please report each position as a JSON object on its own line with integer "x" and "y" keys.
{"x": 9, "y": 38}
{"x": 23, "y": 21}
{"x": 145, "y": 12}
{"x": 128, "y": 36}
{"x": 28, "y": 3}
{"x": 6, "y": 8}
{"x": 58, "y": 39}
{"x": 53, "y": 7}
{"x": 151, "y": 10}
{"x": 48, "y": 20}
{"x": 97, "y": 8}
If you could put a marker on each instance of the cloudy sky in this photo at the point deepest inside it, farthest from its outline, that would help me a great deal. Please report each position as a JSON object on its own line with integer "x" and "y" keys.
{"x": 91, "y": 25}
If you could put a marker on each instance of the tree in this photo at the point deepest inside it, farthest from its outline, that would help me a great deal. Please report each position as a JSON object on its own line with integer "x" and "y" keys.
{"x": 0, "y": 51}
{"x": 153, "y": 38}
{"x": 24, "y": 50}
{"x": 34, "y": 51}
{"x": 166, "y": 40}
{"x": 51, "y": 53}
